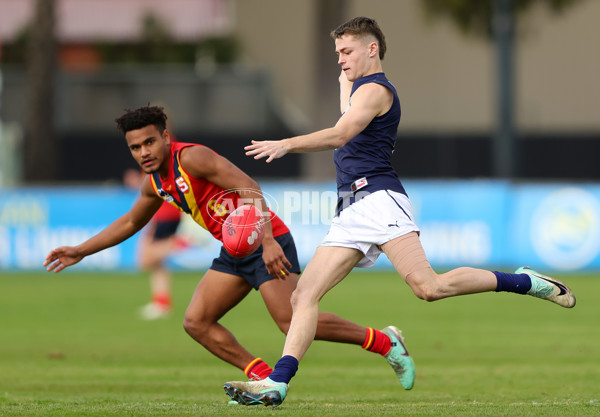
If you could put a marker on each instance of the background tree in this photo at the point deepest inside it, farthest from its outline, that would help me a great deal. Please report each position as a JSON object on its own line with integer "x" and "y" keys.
{"x": 495, "y": 20}
{"x": 477, "y": 16}
{"x": 41, "y": 157}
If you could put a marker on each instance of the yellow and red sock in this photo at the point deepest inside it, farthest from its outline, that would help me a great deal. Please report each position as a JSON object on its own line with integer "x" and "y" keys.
{"x": 162, "y": 299}
{"x": 257, "y": 370}
{"x": 377, "y": 342}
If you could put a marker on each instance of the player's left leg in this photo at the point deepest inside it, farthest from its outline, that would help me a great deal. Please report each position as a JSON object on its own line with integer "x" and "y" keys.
{"x": 408, "y": 257}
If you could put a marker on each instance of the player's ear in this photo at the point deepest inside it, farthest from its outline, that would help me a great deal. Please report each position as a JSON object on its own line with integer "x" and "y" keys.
{"x": 166, "y": 136}
{"x": 373, "y": 49}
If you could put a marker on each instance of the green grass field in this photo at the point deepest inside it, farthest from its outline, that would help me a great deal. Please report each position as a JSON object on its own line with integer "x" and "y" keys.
{"x": 72, "y": 345}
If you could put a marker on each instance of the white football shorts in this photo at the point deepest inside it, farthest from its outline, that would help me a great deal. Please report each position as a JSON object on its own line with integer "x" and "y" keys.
{"x": 370, "y": 222}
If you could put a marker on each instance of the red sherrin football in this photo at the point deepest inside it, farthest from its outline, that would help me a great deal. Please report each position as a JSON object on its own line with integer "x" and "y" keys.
{"x": 243, "y": 231}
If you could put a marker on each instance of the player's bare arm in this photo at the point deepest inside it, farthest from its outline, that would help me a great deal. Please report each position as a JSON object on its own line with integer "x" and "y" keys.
{"x": 118, "y": 231}
{"x": 368, "y": 101}
{"x": 201, "y": 162}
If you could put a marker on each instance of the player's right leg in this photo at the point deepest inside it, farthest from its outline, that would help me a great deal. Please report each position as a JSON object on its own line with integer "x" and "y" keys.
{"x": 152, "y": 252}
{"x": 156, "y": 243}
{"x": 328, "y": 267}
{"x": 277, "y": 294}
{"x": 215, "y": 295}
{"x": 160, "y": 287}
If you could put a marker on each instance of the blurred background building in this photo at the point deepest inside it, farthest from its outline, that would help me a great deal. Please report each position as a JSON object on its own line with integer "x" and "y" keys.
{"x": 498, "y": 142}
{"x": 228, "y": 71}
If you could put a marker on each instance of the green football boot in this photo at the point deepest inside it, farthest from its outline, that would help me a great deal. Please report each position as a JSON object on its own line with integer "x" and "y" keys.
{"x": 548, "y": 288}
{"x": 265, "y": 392}
{"x": 399, "y": 359}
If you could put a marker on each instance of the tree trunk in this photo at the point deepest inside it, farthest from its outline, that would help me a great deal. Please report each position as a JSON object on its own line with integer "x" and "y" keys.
{"x": 41, "y": 156}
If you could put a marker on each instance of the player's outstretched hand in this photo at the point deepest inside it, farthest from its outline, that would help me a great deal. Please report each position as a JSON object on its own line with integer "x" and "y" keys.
{"x": 59, "y": 258}
{"x": 271, "y": 149}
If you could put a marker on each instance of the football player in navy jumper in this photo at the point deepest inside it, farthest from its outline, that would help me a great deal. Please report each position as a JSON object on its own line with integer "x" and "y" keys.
{"x": 373, "y": 215}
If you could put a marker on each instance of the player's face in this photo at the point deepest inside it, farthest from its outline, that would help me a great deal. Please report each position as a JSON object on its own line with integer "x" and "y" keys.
{"x": 149, "y": 148}
{"x": 354, "y": 56}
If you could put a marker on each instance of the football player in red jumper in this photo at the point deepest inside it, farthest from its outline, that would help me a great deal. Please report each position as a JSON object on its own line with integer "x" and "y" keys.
{"x": 207, "y": 187}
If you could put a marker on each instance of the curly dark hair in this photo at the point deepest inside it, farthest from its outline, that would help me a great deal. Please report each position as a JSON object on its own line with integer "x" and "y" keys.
{"x": 361, "y": 26}
{"x": 142, "y": 117}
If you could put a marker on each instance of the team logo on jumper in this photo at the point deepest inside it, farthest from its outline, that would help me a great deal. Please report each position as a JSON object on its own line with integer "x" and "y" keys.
{"x": 565, "y": 229}
{"x": 165, "y": 195}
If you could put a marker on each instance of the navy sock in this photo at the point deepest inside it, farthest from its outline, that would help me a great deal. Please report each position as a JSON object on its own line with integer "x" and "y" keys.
{"x": 518, "y": 283}
{"x": 285, "y": 369}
